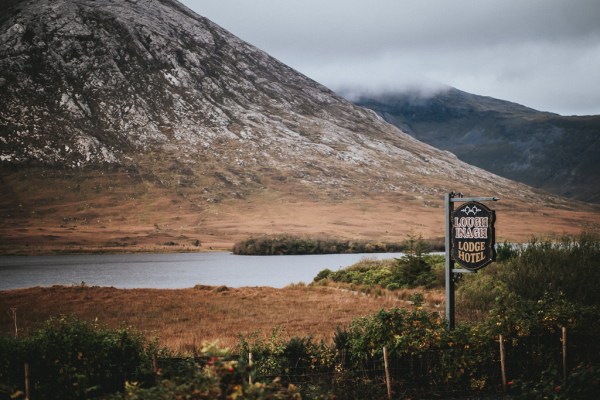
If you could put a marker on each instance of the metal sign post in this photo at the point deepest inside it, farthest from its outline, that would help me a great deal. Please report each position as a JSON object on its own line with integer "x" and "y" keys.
{"x": 470, "y": 240}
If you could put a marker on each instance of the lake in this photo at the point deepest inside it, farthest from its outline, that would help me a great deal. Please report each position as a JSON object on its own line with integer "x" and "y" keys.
{"x": 170, "y": 271}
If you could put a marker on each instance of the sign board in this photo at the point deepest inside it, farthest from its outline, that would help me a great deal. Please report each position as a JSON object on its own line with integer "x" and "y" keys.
{"x": 472, "y": 235}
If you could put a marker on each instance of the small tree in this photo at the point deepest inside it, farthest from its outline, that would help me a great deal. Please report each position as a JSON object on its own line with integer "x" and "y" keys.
{"x": 412, "y": 269}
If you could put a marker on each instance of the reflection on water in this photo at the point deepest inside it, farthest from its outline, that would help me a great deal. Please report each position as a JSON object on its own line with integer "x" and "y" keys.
{"x": 180, "y": 270}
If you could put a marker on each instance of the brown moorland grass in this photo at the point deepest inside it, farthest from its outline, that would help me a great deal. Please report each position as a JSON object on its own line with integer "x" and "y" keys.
{"x": 48, "y": 211}
{"x": 184, "y": 319}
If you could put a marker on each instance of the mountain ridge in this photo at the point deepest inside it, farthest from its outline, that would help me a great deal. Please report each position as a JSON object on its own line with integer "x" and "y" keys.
{"x": 546, "y": 150}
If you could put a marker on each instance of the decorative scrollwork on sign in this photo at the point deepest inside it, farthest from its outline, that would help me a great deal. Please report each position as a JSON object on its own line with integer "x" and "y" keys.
{"x": 473, "y": 210}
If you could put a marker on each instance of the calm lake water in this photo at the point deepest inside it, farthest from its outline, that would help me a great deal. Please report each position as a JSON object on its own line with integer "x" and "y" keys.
{"x": 169, "y": 271}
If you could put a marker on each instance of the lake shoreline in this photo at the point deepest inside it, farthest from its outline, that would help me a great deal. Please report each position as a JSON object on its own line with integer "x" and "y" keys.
{"x": 170, "y": 270}
{"x": 146, "y": 249}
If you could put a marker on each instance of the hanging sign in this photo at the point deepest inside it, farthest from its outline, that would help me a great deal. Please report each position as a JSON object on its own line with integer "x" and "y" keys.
{"x": 472, "y": 235}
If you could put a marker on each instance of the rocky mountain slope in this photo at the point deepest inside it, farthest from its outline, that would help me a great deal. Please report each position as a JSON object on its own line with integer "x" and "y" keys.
{"x": 139, "y": 121}
{"x": 556, "y": 153}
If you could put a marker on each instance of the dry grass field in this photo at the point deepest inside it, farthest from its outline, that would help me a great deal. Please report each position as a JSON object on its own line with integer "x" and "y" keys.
{"x": 183, "y": 319}
{"x": 96, "y": 211}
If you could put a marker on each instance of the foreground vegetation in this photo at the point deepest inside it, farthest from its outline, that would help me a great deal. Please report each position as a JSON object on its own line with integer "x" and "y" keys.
{"x": 528, "y": 297}
{"x": 69, "y": 359}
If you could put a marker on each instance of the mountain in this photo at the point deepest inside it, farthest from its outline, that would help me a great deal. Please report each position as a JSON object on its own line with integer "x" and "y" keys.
{"x": 136, "y": 124}
{"x": 548, "y": 151}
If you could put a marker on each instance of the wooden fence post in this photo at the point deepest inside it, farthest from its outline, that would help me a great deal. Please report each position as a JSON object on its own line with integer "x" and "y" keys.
{"x": 250, "y": 367}
{"x": 502, "y": 362}
{"x": 14, "y": 316}
{"x": 564, "y": 353}
{"x": 26, "y": 381}
{"x": 387, "y": 373}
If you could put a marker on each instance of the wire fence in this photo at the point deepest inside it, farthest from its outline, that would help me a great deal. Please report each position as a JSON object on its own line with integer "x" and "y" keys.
{"x": 407, "y": 375}
{"x": 457, "y": 371}
{"x": 370, "y": 364}
{"x": 483, "y": 371}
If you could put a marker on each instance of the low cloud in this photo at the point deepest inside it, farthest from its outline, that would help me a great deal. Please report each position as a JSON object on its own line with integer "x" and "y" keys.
{"x": 544, "y": 54}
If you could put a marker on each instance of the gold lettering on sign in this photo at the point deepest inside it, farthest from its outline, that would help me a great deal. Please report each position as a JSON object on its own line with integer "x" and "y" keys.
{"x": 471, "y": 252}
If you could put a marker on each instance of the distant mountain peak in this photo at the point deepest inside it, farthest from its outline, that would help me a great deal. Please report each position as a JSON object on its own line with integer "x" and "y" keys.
{"x": 541, "y": 149}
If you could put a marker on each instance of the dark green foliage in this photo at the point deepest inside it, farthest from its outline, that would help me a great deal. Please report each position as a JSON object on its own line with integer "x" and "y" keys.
{"x": 583, "y": 383}
{"x": 416, "y": 268}
{"x": 215, "y": 375}
{"x": 506, "y": 251}
{"x": 324, "y": 274}
{"x": 424, "y": 356}
{"x": 569, "y": 267}
{"x": 389, "y": 274}
{"x": 70, "y": 359}
{"x": 417, "y": 299}
{"x": 11, "y": 370}
{"x": 276, "y": 357}
{"x": 542, "y": 283}
{"x": 412, "y": 269}
{"x": 289, "y": 244}
{"x": 366, "y": 272}
{"x": 218, "y": 378}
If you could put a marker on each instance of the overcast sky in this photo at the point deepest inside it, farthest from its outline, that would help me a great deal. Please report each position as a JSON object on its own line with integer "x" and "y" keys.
{"x": 544, "y": 54}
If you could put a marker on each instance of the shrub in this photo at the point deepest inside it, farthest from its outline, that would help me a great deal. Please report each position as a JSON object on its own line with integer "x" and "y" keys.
{"x": 542, "y": 283}
{"x": 570, "y": 266}
{"x": 412, "y": 269}
{"x": 71, "y": 359}
{"x": 220, "y": 377}
{"x": 323, "y": 275}
{"x": 583, "y": 383}
{"x": 415, "y": 268}
{"x": 420, "y": 345}
{"x": 506, "y": 251}
{"x": 290, "y": 244}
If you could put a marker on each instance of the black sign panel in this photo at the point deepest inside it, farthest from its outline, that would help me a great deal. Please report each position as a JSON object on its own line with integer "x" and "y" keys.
{"x": 472, "y": 235}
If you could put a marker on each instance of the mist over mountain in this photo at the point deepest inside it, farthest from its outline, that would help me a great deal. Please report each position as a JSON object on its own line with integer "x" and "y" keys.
{"x": 138, "y": 121}
{"x": 557, "y": 153}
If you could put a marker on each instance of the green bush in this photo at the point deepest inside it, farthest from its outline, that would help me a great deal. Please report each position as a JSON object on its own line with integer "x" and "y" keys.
{"x": 583, "y": 383}
{"x": 291, "y": 245}
{"x": 365, "y": 272}
{"x": 543, "y": 284}
{"x": 71, "y": 359}
{"x": 416, "y": 268}
{"x": 214, "y": 374}
{"x": 569, "y": 267}
{"x": 422, "y": 348}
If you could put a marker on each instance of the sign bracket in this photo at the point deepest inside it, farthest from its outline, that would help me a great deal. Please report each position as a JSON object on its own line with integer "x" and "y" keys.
{"x": 468, "y": 199}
